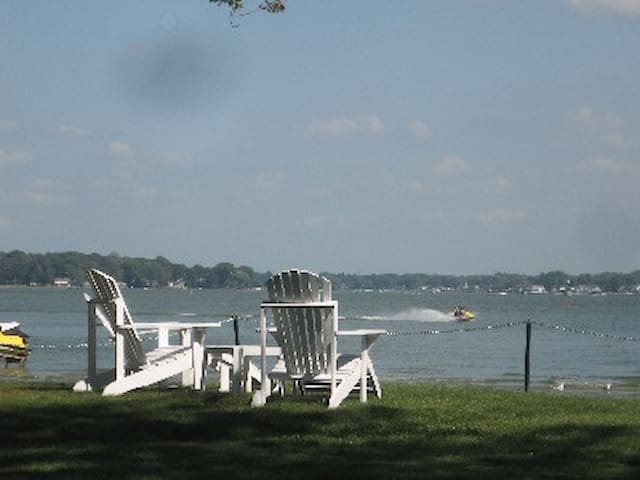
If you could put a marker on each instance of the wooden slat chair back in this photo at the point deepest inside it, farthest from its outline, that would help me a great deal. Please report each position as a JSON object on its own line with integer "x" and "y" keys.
{"x": 303, "y": 334}
{"x": 108, "y": 299}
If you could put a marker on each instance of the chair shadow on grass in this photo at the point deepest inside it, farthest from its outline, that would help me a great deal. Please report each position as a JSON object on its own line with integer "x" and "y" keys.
{"x": 184, "y": 434}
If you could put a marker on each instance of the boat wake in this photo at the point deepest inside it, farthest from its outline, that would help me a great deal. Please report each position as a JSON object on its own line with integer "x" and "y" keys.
{"x": 416, "y": 315}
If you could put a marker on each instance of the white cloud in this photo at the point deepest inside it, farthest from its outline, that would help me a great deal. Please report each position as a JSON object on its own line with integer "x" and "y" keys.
{"x": 395, "y": 184}
{"x": 417, "y": 186}
{"x": 602, "y": 165}
{"x": 625, "y": 7}
{"x": 321, "y": 221}
{"x": 498, "y": 184}
{"x": 260, "y": 188}
{"x": 71, "y": 131}
{"x": 13, "y": 157}
{"x": 343, "y": 126}
{"x": 141, "y": 191}
{"x": 124, "y": 185}
{"x": 452, "y": 165}
{"x": 314, "y": 221}
{"x": 266, "y": 185}
{"x": 616, "y": 140}
{"x": 7, "y": 124}
{"x": 267, "y": 181}
{"x": 44, "y": 192}
{"x": 372, "y": 124}
{"x": 129, "y": 173}
{"x": 420, "y": 129}
{"x": 174, "y": 159}
{"x": 500, "y": 215}
{"x": 121, "y": 150}
{"x": 605, "y": 121}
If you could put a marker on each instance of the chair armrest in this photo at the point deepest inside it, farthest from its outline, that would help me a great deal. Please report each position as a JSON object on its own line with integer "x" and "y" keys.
{"x": 367, "y": 336}
{"x": 247, "y": 350}
{"x": 362, "y": 332}
{"x": 171, "y": 325}
{"x": 330, "y": 304}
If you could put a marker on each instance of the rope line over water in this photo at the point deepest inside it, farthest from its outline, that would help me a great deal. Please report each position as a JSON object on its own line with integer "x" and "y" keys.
{"x": 145, "y": 337}
{"x": 483, "y": 328}
{"x": 455, "y": 330}
{"x": 557, "y": 328}
{"x": 591, "y": 333}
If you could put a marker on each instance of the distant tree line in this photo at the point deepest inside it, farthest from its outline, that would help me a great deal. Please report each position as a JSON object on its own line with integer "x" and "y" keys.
{"x": 552, "y": 281}
{"x": 20, "y": 268}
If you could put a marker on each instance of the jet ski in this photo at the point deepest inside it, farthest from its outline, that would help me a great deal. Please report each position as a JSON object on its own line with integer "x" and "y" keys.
{"x": 462, "y": 314}
{"x": 14, "y": 344}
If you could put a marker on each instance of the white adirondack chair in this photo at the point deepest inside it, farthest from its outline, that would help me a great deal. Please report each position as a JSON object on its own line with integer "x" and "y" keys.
{"x": 305, "y": 326}
{"x": 135, "y": 367}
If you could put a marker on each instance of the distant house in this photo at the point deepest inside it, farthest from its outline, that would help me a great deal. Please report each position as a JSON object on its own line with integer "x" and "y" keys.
{"x": 179, "y": 284}
{"x": 535, "y": 290}
{"x": 62, "y": 282}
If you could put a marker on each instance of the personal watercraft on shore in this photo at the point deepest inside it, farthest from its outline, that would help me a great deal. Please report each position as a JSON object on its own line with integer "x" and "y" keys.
{"x": 14, "y": 344}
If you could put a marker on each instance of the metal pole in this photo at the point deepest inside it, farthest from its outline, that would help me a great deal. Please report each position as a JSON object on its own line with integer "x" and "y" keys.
{"x": 527, "y": 361}
{"x": 235, "y": 329}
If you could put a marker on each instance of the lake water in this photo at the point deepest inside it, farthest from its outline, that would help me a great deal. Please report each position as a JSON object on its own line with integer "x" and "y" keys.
{"x": 584, "y": 342}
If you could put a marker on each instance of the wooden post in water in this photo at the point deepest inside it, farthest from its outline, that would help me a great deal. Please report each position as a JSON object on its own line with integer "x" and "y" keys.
{"x": 527, "y": 362}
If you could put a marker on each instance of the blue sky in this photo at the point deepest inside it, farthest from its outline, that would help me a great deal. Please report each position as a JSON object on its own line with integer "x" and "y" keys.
{"x": 362, "y": 136}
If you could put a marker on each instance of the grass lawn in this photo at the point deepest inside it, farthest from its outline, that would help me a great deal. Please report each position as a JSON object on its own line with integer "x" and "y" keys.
{"x": 416, "y": 431}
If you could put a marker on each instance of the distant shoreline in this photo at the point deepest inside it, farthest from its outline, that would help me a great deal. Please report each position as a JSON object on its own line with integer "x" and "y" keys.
{"x": 569, "y": 388}
{"x": 69, "y": 269}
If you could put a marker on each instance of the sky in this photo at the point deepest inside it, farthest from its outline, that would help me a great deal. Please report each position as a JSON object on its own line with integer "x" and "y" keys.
{"x": 361, "y": 136}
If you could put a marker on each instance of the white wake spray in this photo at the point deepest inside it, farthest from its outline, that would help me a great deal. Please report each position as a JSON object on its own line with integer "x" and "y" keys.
{"x": 415, "y": 315}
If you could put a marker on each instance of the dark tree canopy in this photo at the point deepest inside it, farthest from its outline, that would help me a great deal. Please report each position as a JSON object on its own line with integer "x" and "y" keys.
{"x": 21, "y": 268}
{"x": 237, "y": 6}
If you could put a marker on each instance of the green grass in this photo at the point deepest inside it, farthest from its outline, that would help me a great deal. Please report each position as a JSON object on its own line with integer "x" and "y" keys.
{"x": 416, "y": 431}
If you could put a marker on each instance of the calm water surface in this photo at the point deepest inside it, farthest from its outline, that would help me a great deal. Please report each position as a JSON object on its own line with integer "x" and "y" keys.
{"x": 585, "y": 342}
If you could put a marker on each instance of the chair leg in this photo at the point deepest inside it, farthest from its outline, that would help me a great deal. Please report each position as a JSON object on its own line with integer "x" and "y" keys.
{"x": 346, "y": 385}
{"x": 377, "y": 388}
{"x": 225, "y": 376}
